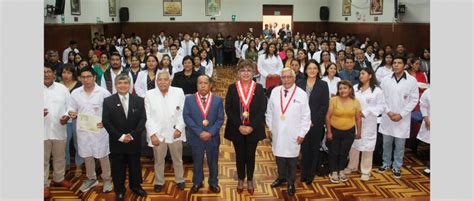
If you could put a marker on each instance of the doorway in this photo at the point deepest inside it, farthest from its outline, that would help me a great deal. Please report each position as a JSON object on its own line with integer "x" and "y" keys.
{"x": 277, "y": 15}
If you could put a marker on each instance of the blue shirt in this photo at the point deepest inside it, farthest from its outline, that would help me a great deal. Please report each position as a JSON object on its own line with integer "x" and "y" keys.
{"x": 353, "y": 76}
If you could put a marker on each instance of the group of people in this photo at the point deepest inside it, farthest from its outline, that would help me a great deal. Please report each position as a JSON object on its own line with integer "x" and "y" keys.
{"x": 320, "y": 98}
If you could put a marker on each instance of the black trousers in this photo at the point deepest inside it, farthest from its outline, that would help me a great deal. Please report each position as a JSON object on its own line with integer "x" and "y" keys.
{"x": 245, "y": 158}
{"x": 119, "y": 163}
{"x": 310, "y": 152}
{"x": 286, "y": 169}
{"x": 339, "y": 148}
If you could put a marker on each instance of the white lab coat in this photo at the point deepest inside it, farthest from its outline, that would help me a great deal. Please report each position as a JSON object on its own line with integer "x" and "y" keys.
{"x": 141, "y": 85}
{"x": 187, "y": 46}
{"x": 317, "y": 57}
{"x": 270, "y": 65}
{"x": 372, "y": 105}
{"x": 244, "y": 50}
{"x": 383, "y": 72}
{"x": 332, "y": 85}
{"x": 56, "y": 99}
{"x": 400, "y": 98}
{"x": 114, "y": 90}
{"x": 164, "y": 114}
{"x": 177, "y": 63}
{"x": 425, "y": 107}
{"x": 66, "y": 53}
{"x": 238, "y": 51}
{"x": 297, "y": 121}
{"x": 209, "y": 67}
{"x": 90, "y": 144}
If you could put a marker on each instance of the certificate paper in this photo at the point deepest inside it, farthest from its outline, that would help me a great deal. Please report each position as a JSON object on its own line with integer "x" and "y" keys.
{"x": 88, "y": 123}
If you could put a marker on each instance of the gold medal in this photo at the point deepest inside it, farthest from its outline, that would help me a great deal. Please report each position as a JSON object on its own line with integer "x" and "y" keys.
{"x": 282, "y": 117}
{"x": 205, "y": 122}
{"x": 246, "y": 114}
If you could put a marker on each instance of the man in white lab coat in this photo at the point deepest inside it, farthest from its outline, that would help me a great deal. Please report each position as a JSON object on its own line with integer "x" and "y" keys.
{"x": 93, "y": 143}
{"x": 187, "y": 44}
{"x": 56, "y": 99}
{"x": 401, "y": 96}
{"x": 288, "y": 118}
{"x": 165, "y": 127}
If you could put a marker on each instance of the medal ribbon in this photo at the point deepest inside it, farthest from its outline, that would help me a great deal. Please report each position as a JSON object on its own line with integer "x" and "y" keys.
{"x": 246, "y": 96}
{"x": 204, "y": 110}
{"x": 289, "y": 100}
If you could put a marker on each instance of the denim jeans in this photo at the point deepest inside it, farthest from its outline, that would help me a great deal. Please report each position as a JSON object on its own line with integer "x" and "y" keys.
{"x": 219, "y": 56}
{"x": 71, "y": 133}
{"x": 397, "y": 153}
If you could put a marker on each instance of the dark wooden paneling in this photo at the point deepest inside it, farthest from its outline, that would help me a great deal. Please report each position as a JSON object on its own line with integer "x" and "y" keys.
{"x": 308, "y": 27}
{"x": 413, "y": 36}
{"x": 284, "y": 9}
{"x": 57, "y": 37}
{"x": 145, "y": 30}
{"x": 112, "y": 30}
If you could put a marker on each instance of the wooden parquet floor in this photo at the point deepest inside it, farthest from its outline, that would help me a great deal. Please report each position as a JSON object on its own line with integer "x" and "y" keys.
{"x": 413, "y": 185}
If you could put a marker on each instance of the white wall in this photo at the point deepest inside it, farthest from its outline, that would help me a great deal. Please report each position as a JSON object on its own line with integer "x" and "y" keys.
{"x": 417, "y": 11}
{"x": 245, "y": 10}
{"x": 90, "y": 10}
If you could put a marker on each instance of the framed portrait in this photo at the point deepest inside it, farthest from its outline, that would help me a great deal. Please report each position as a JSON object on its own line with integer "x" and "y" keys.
{"x": 346, "y": 7}
{"x": 112, "y": 8}
{"x": 376, "y": 7}
{"x": 172, "y": 8}
{"x": 75, "y": 7}
{"x": 213, "y": 7}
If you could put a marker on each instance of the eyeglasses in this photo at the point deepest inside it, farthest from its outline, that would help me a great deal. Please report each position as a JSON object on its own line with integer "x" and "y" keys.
{"x": 286, "y": 77}
{"x": 87, "y": 77}
{"x": 245, "y": 70}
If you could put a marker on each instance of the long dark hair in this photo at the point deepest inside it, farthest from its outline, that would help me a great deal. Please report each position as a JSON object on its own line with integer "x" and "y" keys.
{"x": 267, "y": 51}
{"x": 157, "y": 63}
{"x": 384, "y": 56}
{"x": 373, "y": 80}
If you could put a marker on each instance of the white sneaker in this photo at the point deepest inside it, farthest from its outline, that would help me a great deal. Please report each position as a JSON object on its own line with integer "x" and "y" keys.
{"x": 427, "y": 170}
{"x": 343, "y": 176}
{"x": 107, "y": 186}
{"x": 365, "y": 177}
{"x": 348, "y": 171}
{"x": 88, "y": 184}
{"x": 334, "y": 178}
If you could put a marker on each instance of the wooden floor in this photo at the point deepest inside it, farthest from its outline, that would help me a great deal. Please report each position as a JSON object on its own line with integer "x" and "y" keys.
{"x": 412, "y": 186}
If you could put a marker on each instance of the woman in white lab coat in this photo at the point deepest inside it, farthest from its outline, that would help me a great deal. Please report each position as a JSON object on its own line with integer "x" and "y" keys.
{"x": 424, "y": 133}
{"x": 372, "y": 103}
{"x": 146, "y": 77}
{"x": 269, "y": 65}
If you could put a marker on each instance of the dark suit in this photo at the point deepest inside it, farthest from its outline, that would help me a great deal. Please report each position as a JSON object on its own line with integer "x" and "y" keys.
{"x": 193, "y": 119}
{"x": 245, "y": 145}
{"x": 359, "y": 65}
{"x": 123, "y": 154}
{"x": 318, "y": 104}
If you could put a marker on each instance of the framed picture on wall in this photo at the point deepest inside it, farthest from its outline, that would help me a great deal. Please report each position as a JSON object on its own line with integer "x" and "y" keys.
{"x": 213, "y": 7}
{"x": 376, "y": 7}
{"x": 112, "y": 8}
{"x": 172, "y": 8}
{"x": 346, "y": 7}
{"x": 75, "y": 7}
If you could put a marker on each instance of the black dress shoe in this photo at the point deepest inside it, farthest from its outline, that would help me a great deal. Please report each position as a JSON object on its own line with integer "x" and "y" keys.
{"x": 215, "y": 188}
{"x": 291, "y": 190}
{"x": 195, "y": 188}
{"x": 140, "y": 192}
{"x": 120, "y": 196}
{"x": 277, "y": 182}
{"x": 180, "y": 186}
{"x": 158, "y": 188}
